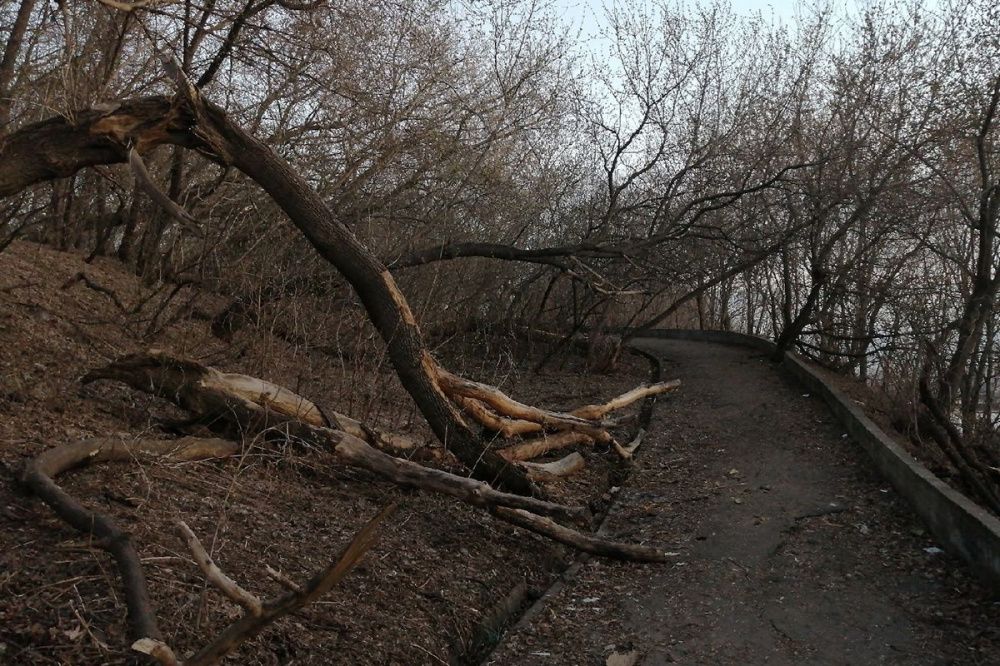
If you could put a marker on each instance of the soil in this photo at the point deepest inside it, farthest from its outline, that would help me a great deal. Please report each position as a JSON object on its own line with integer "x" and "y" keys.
{"x": 425, "y": 594}
{"x": 790, "y": 549}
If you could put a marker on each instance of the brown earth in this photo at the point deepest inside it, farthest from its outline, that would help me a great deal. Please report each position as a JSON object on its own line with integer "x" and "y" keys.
{"x": 790, "y": 550}
{"x": 422, "y": 596}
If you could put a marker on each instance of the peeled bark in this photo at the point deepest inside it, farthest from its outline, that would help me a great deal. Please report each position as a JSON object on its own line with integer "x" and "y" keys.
{"x": 535, "y": 448}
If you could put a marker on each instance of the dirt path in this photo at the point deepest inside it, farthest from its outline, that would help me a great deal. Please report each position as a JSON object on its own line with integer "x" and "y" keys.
{"x": 790, "y": 550}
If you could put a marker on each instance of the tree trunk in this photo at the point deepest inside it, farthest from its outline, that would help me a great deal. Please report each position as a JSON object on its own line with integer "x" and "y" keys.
{"x": 10, "y": 53}
{"x": 792, "y": 332}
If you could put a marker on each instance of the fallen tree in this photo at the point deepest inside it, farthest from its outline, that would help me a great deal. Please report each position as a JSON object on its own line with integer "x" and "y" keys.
{"x": 234, "y": 404}
{"x": 122, "y": 132}
{"x": 39, "y": 475}
{"x": 237, "y": 405}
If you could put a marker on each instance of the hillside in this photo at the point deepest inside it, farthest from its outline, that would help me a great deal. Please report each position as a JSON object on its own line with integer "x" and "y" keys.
{"x": 433, "y": 578}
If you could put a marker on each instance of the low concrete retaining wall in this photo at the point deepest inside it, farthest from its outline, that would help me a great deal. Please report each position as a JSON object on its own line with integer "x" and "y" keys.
{"x": 962, "y": 526}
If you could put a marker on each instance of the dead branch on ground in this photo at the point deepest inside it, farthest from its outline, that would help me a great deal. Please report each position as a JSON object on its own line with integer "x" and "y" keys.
{"x": 259, "y": 614}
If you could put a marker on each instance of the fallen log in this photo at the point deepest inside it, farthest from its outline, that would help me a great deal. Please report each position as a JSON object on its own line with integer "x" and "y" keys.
{"x": 256, "y": 407}
{"x": 259, "y": 614}
{"x": 241, "y": 404}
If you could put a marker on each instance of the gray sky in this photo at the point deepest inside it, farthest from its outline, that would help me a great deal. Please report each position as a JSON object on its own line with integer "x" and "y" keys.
{"x": 589, "y": 13}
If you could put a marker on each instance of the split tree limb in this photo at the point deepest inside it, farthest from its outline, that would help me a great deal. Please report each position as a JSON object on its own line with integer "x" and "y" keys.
{"x": 629, "y": 449}
{"x": 489, "y": 419}
{"x": 455, "y": 385}
{"x": 59, "y": 147}
{"x": 159, "y": 197}
{"x": 535, "y": 448}
{"x": 626, "y": 399}
{"x": 235, "y": 403}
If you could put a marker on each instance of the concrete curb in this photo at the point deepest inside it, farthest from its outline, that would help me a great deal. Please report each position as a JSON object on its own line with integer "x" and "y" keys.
{"x": 963, "y": 527}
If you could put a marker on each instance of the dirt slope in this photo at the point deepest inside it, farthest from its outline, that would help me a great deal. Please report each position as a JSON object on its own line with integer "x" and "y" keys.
{"x": 790, "y": 550}
{"x": 418, "y": 598}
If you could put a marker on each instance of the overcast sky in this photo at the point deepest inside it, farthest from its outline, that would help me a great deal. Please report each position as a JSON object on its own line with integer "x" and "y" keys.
{"x": 590, "y": 13}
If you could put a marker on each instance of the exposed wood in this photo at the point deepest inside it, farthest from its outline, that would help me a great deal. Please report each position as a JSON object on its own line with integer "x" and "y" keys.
{"x": 624, "y": 400}
{"x": 511, "y": 408}
{"x": 566, "y": 466}
{"x": 354, "y": 452}
{"x": 374, "y": 285}
{"x": 538, "y": 447}
{"x": 391, "y": 442}
{"x": 60, "y": 147}
{"x": 216, "y": 576}
{"x": 282, "y": 579}
{"x": 251, "y": 406}
{"x": 100, "y": 137}
{"x": 261, "y": 614}
{"x": 196, "y": 387}
{"x": 629, "y": 449}
{"x": 170, "y": 207}
{"x": 490, "y": 419}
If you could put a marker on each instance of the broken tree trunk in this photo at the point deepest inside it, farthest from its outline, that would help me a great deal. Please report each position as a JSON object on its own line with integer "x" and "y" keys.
{"x": 61, "y": 146}
{"x": 205, "y": 391}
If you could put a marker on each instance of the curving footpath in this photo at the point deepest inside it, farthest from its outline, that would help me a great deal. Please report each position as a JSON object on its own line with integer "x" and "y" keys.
{"x": 791, "y": 548}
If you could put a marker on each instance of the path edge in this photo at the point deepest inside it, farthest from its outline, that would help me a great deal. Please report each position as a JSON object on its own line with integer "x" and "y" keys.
{"x": 962, "y": 527}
